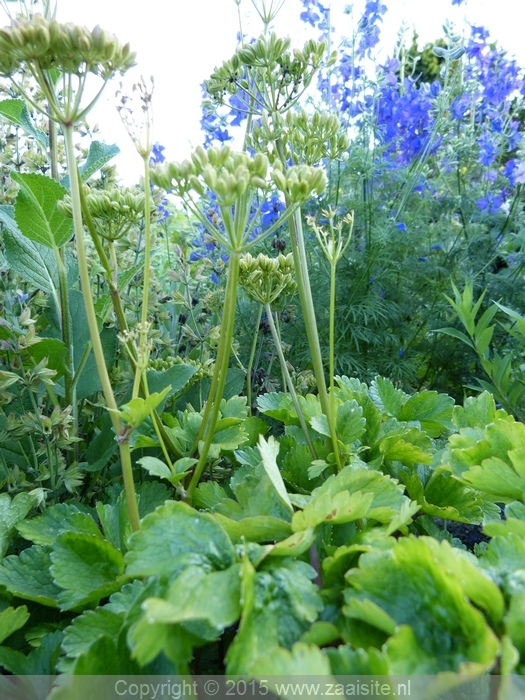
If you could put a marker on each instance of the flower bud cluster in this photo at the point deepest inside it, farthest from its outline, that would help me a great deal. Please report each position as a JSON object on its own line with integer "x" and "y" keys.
{"x": 270, "y": 70}
{"x": 226, "y": 173}
{"x": 264, "y": 279}
{"x": 299, "y": 182}
{"x": 68, "y": 47}
{"x": 306, "y": 138}
{"x": 114, "y": 211}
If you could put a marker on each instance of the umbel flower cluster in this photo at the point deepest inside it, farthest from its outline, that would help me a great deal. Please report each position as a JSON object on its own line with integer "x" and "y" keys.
{"x": 229, "y": 175}
{"x": 68, "y": 47}
{"x": 264, "y": 279}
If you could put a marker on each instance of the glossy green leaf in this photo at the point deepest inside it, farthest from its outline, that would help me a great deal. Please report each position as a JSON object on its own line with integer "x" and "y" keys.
{"x": 349, "y": 422}
{"x": 445, "y": 496}
{"x": 386, "y": 397}
{"x": 478, "y": 586}
{"x": 294, "y": 545}
{"x": 432, "y": 410}
{"x": 12, "y": 511}
{"x": 345, "y": 661}
{"x": 28, "y": 576}
{"x": 220, "y": 590}
{"x": 258, "y": 528}
{"x": 137, "y": 410}
{"x": 87, "y": 567}
{"x": 388, "y": 496}
{"x": 45, "y": 528}
{"x": 87, "y": 628}
{"x": 302, "y": 660}
{"x": 340, "y": 508}
{"x": 440, "y": 628}
{"x": 176, "y": 533}
{"x": 504, "y": 559}
{"x": 279, "y": 406}
{"x": 515, "y": 621}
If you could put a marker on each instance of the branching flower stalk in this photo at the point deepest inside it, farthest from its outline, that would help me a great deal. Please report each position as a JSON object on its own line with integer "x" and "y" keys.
{"x": 234, "y": 179}
{"x": 268, "y": 80}
{"x": 333, "y": 245}
{"x": 264, "y": 280}
{"x": 40, "y": 45}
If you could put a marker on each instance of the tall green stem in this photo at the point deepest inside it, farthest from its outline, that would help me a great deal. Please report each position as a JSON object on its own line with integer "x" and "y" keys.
{"x": 251, "y": 360}
{"x": 122, "y": 438}
{"x": 288, "y": 379}
{"x": 223, "y": 360}
{"x": 332, "y": 365}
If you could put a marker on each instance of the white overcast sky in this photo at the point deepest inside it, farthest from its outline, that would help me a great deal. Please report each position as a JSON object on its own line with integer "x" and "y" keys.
{"x": 180, "y": 42}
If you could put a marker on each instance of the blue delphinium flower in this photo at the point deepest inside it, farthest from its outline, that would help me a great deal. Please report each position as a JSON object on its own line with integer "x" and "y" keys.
{"x": 491, "y": 203}
{"x": 458, "y": 2}
{"x": 157, "y": 154}
{"x": 271, "y": 209}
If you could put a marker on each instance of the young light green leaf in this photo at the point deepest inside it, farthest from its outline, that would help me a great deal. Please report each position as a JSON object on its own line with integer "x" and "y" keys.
{"x": 259, "y": 528}
{"x": 423, "y": 596}
{"x": 36, "y": 210}
{"x": 386, "y": 397}
{"x": 99, "y": 154}
{"x": 16, "y": 112}
{"x": 269, "y": 451}
{"x": 11, "y": 620}
{"x": 341, "y": 508}
{"x": 137, "y": 410}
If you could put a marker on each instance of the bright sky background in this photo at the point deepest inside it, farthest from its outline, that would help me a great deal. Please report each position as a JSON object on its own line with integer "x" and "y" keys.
{"x": 180, "y": 42}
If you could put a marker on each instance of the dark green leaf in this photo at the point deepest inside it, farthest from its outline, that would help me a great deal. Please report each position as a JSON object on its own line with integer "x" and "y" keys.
{"x": 12, "y": 619}
{"x": 35, "y": 263}
{"x": 12, "y": 511}
{"x": 87, "y": 628}
{"x": 175, "y": 377}
{"x": 45, "y": 528}
{"x": 27, "y": 576}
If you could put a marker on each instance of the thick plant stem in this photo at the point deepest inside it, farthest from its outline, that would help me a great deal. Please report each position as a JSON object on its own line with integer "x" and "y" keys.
{"x": 307, "y": 305}
{"x": 223, "y": 360}
{"x": 122, "y": 438}
{"x": 288, "y": 379}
